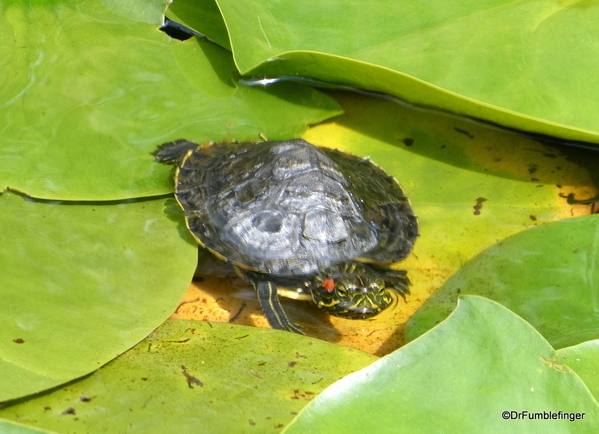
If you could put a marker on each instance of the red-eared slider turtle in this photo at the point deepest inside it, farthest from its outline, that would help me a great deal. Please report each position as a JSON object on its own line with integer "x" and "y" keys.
{"x": 317, "y": 222}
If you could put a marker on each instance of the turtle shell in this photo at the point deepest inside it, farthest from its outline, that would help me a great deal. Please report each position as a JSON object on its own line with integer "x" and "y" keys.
{"x": 290, "y": 208}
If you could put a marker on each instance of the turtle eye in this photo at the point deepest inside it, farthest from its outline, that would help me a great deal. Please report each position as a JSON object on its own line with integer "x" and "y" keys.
{"x": 377, "y": 286}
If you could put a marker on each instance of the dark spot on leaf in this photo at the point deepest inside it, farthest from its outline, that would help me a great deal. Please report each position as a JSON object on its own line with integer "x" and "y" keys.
{"x": 261, "y": 363}
{"x": 408, "y": 141}
{"x": 18, "y": 341}
{"x": 558, "y": 168}
{"x": 191, "y": 380}
{"x": 533, "y": 217}
{"x": 298, "y": 355}
{"x": 534, "y": 179}
{"x": 242, "y": 337}
{"x": 558, "y": 185}
{"x": 69, "y": 410}
{"x": 497, "y": 160}
{"x": 292, "y": 364}
{"x": 144, "y": 379}
{"x": 575, "y": 251}
{"x": 251, "y": 422}
{"x": 532, "y": 168}
{"x": 180, "y": 342}
{"x": 47, "y": 408}
{"x": 85, "y": 399}
{"x": 307, "y": 395}
{"x": 479, "y": 205}
{"x": 466, "y": 133}
{"x": 279, "y": 425}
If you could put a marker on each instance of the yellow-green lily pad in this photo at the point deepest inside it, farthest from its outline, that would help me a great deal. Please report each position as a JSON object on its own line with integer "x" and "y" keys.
{"x": 192, "y": 376}
{"x": 547, "y": 275}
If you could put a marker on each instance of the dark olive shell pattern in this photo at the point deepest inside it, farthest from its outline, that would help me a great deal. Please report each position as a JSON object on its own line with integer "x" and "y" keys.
{"x": 290, "y": 208}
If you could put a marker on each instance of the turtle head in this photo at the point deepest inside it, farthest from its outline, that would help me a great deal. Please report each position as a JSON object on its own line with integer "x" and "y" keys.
{"x": 351, "y": 291}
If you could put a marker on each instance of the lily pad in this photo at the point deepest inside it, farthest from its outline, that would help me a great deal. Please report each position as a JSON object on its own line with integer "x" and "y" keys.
{"x": 192, "y": 376}
{"x": 7, "y": 427}
{"x": 527, "y": 65}
{"x": 203, "y": 16}
{"x": 89, "y": 88}
{"x": 584, "y": 360}
{"x": 81, "y": 283}
{"x": 482, "y": 367}
{"x": 547, "y": 275}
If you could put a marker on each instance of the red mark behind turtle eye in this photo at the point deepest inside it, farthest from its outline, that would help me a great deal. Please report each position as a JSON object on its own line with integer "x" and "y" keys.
{"x": 329, "y": 284}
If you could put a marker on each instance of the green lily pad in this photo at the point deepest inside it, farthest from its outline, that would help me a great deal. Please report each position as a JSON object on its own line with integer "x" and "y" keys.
{"x": 196, "y": 377}
{"x": 527, "y": 65}
{"x": 584, "y": 360}
{"x": 7, "y": 427}
{"x": 81, "y": 283}
{"x": 203, "y": 16}
{"x": 479, "y": 368}
{"x": 89, "y": 88}
{"x": 547, "y": 275}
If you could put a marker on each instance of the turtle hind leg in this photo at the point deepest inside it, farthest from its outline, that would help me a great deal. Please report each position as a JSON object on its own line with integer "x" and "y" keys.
{"x": 398, "y": 230}
{"x": 173, "y": 152}
{"x": 271, "y": 306}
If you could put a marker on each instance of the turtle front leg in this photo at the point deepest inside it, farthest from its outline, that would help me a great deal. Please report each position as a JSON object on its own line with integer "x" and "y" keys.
{"x": 396, "y": 280}
{"x": 271, "y": 306}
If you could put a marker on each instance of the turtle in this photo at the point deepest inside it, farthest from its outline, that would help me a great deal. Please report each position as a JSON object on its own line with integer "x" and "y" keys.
{"x": 297, "y": 220}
